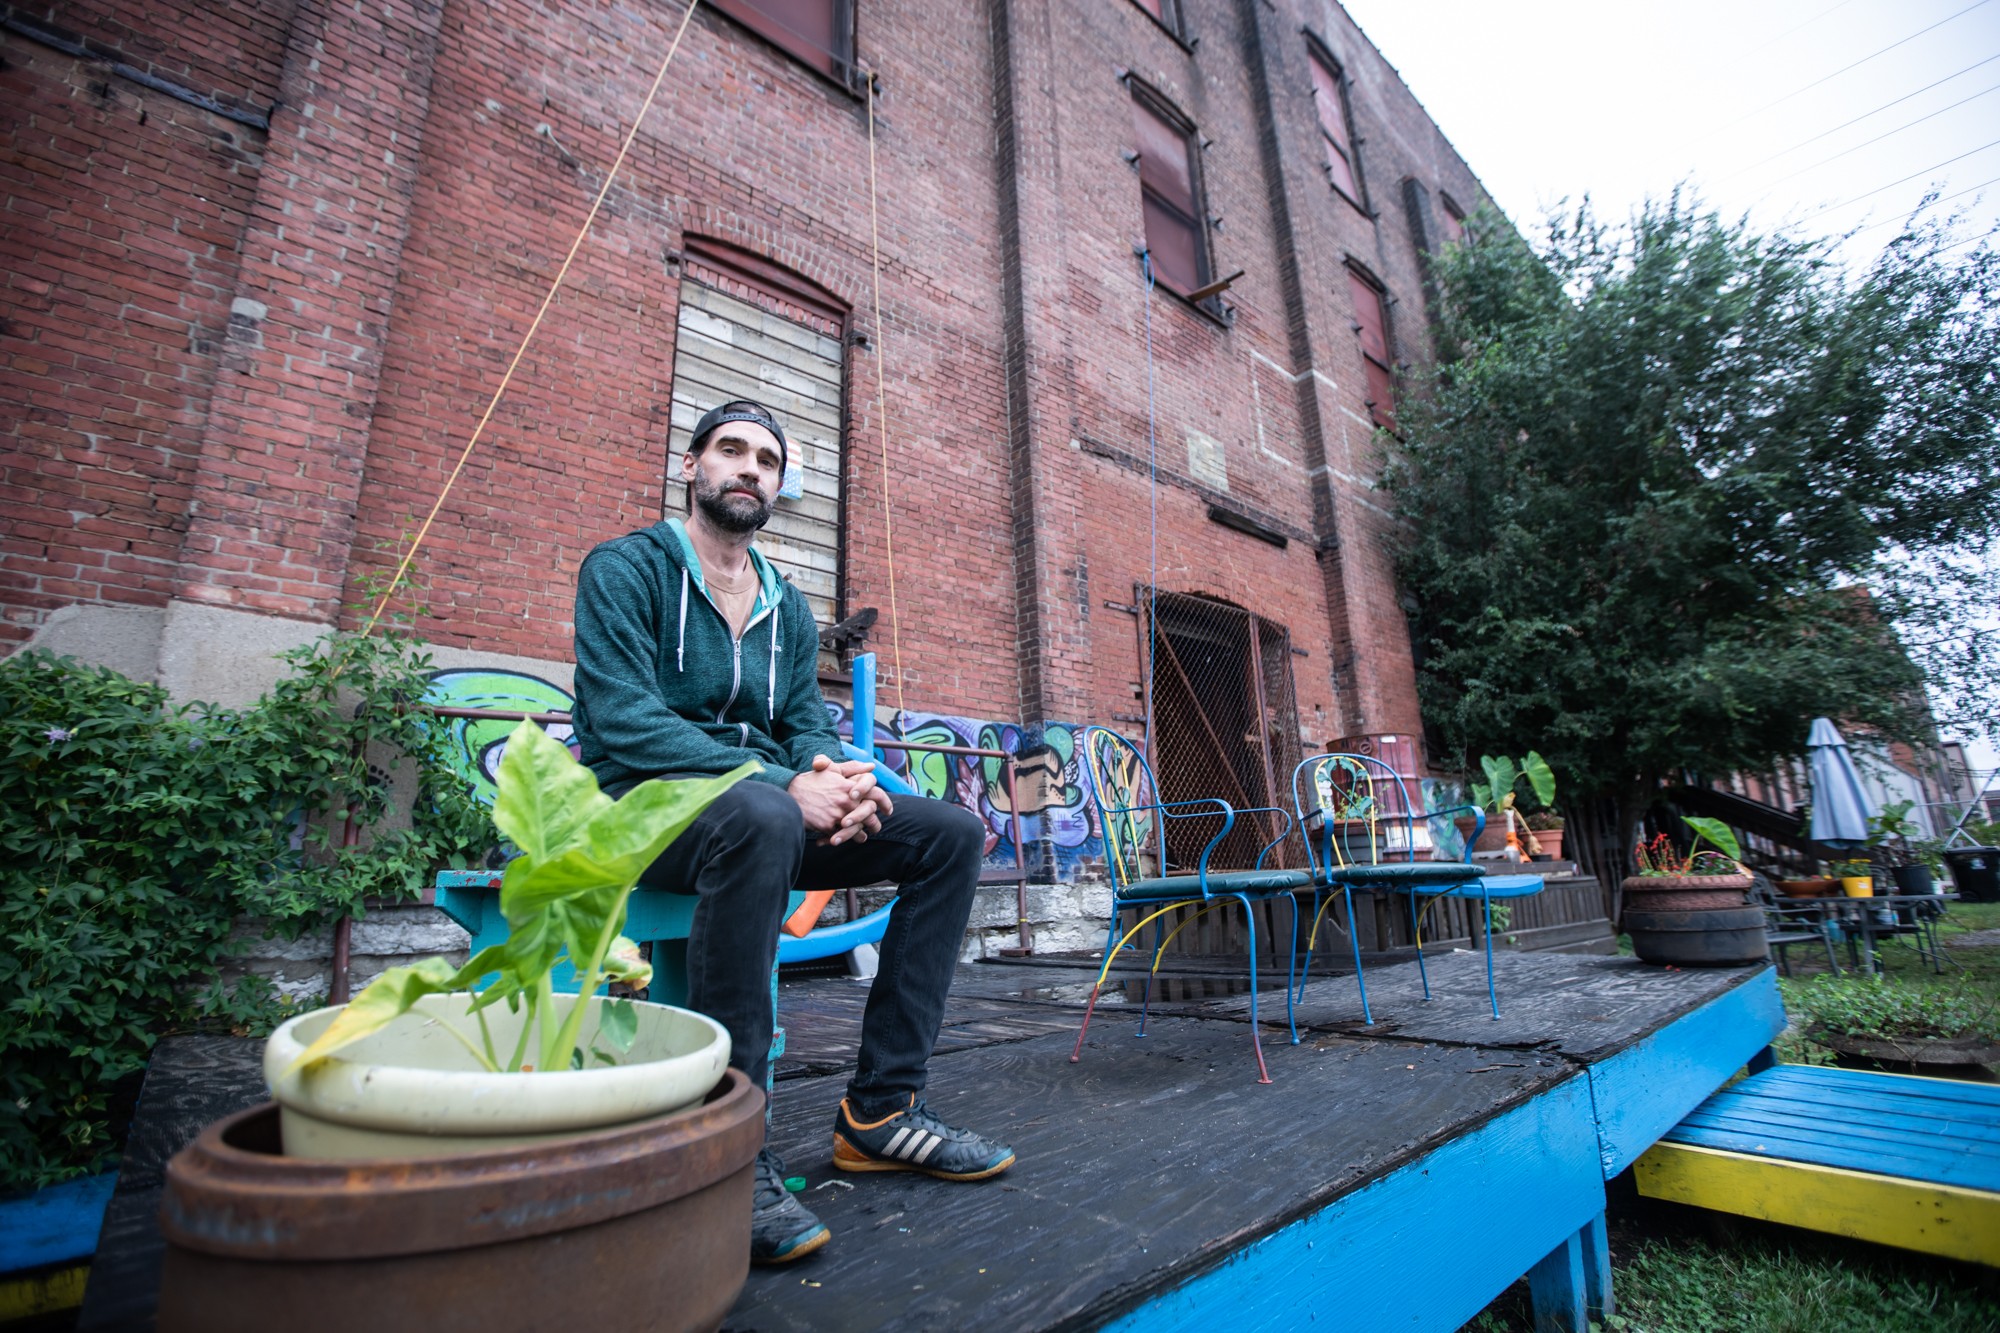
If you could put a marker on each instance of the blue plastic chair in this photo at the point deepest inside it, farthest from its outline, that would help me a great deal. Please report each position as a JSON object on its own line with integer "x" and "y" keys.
{"x": 1343, "y": 802}
{"x": 1134, "y": 827}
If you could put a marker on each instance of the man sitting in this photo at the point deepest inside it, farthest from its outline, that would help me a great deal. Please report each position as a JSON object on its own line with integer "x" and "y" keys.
{"x": 692, "y": 656}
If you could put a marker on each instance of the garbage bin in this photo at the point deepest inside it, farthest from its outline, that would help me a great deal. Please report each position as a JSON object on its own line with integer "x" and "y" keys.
{"x": 1976, "y": 872}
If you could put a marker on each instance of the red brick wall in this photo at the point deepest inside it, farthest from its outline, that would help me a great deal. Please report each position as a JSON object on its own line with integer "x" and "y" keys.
{"x": 576, "y": 452}
{"x": 411, "y": 212}
{"x": 120, "y": 210}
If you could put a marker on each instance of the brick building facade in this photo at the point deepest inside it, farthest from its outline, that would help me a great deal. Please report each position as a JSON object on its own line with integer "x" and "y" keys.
{"x": 266, "y": 262}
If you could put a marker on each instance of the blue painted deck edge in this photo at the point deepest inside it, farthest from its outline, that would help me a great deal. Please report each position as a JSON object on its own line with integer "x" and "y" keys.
{"x": 55, "y": 1224}
{"x": 1642, "y": 1092}
{"x": 1481, "y": 1210}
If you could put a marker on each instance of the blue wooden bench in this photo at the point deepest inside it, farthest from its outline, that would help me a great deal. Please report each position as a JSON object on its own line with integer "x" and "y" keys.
{"x": 1888, "y": 1158}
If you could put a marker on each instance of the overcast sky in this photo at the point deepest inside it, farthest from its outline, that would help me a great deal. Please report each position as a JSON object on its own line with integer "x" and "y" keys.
{"x": 1827, "y": 114}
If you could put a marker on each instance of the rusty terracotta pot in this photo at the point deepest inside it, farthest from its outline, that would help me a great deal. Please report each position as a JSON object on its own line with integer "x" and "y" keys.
{"x": 643, "y": 1225}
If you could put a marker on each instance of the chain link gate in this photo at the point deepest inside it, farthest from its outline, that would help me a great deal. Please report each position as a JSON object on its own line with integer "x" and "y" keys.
{"x": 1222, "y": 722}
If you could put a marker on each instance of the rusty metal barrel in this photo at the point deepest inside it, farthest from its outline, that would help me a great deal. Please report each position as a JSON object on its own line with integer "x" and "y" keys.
{"x": 645, "y": 1225}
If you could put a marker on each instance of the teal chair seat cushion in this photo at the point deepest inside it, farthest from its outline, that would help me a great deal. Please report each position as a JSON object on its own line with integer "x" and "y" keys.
{"x": 1219, "y": 881}
{"x": 1511, "y": 886}
{"x": 1406, "y": 874}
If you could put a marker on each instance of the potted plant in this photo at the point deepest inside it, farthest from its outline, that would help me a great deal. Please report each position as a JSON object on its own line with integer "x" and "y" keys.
{"x": 1498, "y": 794}
{"x": 1856, "y": 876}
{"x": 1898, "y": 841}
{"x": 438, "y": 1134}
{"x": 1545, "y": 831}
{"x": 1690, "y": 908}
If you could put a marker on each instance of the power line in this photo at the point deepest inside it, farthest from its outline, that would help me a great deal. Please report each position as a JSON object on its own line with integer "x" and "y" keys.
{"x": 1892, "y": 222}
{"x": 1885, "y": 134}
{"x": 1767, "y": 45}
{"x": 1803, "y": 143}
{"x": 1843, "y": 69}
{"x": 1907, "y": 179}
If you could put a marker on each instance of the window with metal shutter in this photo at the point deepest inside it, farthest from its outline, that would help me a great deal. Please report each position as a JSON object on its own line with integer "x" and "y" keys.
{"x": 818, "y": 32}
{"x": 1169, "y": 198}
{"x": 726, "y": 347}
{"x": 1330, "y": 104}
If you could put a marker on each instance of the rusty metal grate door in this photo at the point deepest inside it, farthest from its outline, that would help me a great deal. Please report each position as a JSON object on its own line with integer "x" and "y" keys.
{"x": 1224, "y": 723}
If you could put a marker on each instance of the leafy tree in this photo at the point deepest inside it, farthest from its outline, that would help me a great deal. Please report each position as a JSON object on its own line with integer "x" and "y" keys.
{"x": 1674, "y": 488}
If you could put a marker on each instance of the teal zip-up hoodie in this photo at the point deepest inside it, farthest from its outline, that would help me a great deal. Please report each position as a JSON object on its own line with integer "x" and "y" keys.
{"x": 662, "y": 687}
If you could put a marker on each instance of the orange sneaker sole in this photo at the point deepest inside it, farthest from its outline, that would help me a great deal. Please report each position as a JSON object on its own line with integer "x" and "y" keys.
{"x": 849, "y": 1158}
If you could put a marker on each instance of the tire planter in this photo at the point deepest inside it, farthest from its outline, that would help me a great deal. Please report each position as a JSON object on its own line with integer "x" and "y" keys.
{"x": 1727, "y": 937}
{"x": 641, "y": 1225}
{"x": 1973, "y": 1059}
{"x": 1685, "y": 893}
{"x": 412, "y": 1090}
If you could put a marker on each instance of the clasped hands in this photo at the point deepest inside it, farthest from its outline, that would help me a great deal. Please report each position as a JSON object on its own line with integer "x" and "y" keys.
{"x": 841, "y": 801}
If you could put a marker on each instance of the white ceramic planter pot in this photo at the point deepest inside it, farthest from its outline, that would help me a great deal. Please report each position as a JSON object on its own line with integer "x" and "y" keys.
{"x": 412, "y": 1090}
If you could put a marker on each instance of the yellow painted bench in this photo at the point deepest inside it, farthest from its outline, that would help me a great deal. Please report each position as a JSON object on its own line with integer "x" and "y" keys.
{"x": 1889, "y": 1158}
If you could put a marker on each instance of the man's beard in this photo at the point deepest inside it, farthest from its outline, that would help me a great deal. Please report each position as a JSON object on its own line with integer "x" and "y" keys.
{"x": 724, "y": 509}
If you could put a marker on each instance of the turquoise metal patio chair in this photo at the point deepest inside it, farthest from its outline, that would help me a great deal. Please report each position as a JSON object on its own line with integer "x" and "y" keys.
{"x": 1135, "y": 821}
{"x": 1360, "y": 821}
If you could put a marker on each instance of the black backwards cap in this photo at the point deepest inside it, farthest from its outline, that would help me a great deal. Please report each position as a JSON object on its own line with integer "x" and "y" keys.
{"x": 741, "y": 410}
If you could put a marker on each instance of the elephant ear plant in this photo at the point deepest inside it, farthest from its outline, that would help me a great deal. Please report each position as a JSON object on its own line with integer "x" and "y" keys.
{"x": 564, "y": 896}
{"x": 1504, "y": 776}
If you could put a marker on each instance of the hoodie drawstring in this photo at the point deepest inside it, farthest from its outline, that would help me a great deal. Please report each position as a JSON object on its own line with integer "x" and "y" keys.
{"x": 771, "y": 689}
{"x": 680, "y": 649}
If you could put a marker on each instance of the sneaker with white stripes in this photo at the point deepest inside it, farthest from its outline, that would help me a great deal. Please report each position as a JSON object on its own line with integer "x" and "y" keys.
{"x": 913, "y": 1139}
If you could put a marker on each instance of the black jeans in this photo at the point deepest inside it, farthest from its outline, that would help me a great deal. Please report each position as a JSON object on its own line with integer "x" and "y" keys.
{"x": 745, "y": 855}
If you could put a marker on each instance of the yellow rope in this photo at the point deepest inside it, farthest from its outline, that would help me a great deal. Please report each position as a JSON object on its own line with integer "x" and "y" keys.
{"x": 506, "y": 379}
{"x": 882, "y": 401}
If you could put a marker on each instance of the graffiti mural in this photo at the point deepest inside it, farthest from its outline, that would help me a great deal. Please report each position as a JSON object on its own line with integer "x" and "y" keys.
{"x": 481, "y": 741}
{"x": 1059, "y": 826}
{"x": 1059, "y": 823}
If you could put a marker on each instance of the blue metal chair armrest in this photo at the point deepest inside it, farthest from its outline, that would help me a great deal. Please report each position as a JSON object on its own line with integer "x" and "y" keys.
{"x": 1283, "y": 833}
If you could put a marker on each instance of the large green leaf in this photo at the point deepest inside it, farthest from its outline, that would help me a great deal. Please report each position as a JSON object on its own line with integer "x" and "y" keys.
{"x": 612, "y": 847}
{"x": 545, "y": 796}
{"x": 1540, "y": 777}
{"x": 1717, "y": 832}
{"x": 386, "y": 998}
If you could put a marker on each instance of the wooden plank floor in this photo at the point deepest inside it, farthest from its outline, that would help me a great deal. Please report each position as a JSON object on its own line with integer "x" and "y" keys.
{"x": 1159, "y": 1186}
{"x": 1908, "y": 1162}
{"x": 1155, "y": 1160}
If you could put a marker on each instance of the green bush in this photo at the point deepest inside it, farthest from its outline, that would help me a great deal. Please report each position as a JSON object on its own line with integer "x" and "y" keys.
{"x": 137, "y": 837}
{"x": 1881, "y": 1006}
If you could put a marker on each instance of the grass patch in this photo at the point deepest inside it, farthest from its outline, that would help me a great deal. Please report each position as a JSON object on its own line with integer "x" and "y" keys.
{"x": 1679, "y": 1270}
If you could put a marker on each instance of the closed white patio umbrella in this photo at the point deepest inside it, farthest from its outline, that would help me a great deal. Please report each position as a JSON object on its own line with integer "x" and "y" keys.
{"x": 1840, "y": 812}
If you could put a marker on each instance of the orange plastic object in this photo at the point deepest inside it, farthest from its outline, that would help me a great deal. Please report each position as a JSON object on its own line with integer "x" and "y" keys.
{"x": 800, "y": 923}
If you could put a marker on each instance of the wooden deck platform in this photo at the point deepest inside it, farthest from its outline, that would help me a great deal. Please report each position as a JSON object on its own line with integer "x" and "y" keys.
{"x": 1909, "y": 1162}
{"x": 1159, "y": 1185}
